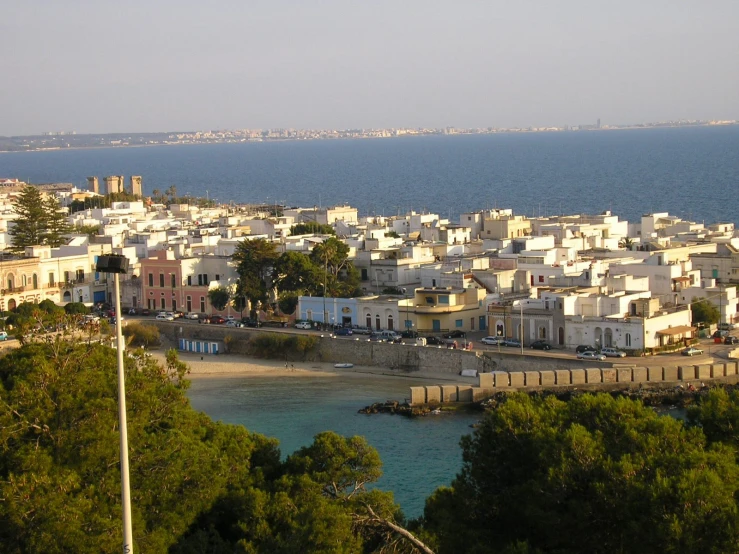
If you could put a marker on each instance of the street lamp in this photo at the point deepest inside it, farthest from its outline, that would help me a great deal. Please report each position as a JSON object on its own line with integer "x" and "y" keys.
{"x": 119, "y": 265}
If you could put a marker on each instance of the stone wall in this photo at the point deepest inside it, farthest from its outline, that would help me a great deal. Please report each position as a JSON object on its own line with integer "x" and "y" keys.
{"x": 594, "y": 379}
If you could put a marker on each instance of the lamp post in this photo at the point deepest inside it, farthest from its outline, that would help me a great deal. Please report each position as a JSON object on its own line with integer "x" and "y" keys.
{"x": 520, "y": 303}
{"x": 119, "y": 265}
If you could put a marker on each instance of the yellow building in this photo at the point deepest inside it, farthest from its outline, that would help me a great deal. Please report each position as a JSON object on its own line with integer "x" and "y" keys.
{"x": 446, "y": 309}
{"x": 507, "y": 227}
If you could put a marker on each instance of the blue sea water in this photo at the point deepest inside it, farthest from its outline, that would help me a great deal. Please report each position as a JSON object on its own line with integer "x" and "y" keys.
{"x": 418, "y": 454}
{"x": 692, "y": 172}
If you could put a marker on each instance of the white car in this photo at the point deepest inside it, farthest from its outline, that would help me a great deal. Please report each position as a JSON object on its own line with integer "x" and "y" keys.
{"x": 612, "y": 352}
{"x": 303, "y": 325}
{"x": 233, "y": 323}
{"x": 590, "y": 355}
{"x": 492, "y": 341}
{"x": 164, "y": 317}
{"x": 192, "y": 315}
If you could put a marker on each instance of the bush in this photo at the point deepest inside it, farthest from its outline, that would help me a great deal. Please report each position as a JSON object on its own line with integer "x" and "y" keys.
{"x": 143, "y": 335}
{"x": 282, "y": 346}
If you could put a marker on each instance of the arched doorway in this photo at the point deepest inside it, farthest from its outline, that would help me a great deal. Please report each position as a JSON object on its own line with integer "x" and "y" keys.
{"x": 561, "y": 336}
{"x": 378, "y": 326}
{"x": 66, "y": 297}
{"x": 368, "y": 319}
{"x": 542, "y": 332}
{"x": 598, "y": 337}
{"x": 11, "y": 304}
{"x": 608, "y": 337}
{"x": 390, "y": 323}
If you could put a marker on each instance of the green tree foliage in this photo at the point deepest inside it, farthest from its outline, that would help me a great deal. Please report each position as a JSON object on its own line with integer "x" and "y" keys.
{"x": 341, "y": 277}
{"x": 288, "y": 302}
{"x": 312, "y": 228}
{"x": 255, "y": 259}
{"x": 705, "y": 312}
{"x": 59, "y": 474}
{"x": 717, "y": 414}
{"x": 591, "y": 475}
{"x": 29, "y": 228}
{"x": 73, "y": 308}
{"x": 56, "y": 223}
{"x": 297, "y": 272}
{"x": 140, "y": 334}
{"x": 219, "y": 298}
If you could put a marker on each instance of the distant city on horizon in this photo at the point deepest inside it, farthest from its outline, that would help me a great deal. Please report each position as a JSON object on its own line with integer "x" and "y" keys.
{"x": 56, "y": 140}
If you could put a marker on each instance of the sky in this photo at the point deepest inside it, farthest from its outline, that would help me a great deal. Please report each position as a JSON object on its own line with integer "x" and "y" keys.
{"x": 162, "y": 65}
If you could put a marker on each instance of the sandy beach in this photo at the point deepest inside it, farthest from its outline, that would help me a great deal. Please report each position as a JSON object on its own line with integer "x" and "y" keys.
{"x": 203, "y": 365}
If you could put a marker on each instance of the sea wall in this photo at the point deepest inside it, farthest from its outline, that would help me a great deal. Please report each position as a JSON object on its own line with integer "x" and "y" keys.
{"x": 594, "y": 379}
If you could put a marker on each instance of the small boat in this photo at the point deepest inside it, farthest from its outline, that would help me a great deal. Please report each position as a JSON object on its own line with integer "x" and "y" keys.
{"x": 343, "y": 366}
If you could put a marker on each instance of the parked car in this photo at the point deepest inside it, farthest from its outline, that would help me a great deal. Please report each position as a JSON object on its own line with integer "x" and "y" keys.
{"x": 585, "y": 348}
{"x": 234, "y": 323}
{"x": 541, "y": 345}
{"x": 720, "y": 334}
{"x": 492, "y": 341}
{"x": 359, "y": 330}
{"x": 217, "y": 320}
{"x": 230, "y": 318}
{"x": 164, "y": 317}
{"x": 731, "y": 340}
{"x": 612, "y": 352}
{"x": 249, "y": 322}
{"x": 590, "y": 355}
{"x": 145, "y": 311}
{"x": 434, "y": 341}
{"x": 456, "y": 335}
{"x": 409, "y": 334}
{"x": 343, "y": 332}
{"x": 4, "y": 335}
{"x": 204, "y": 320}
{"x": 726, "y": 326}
{"x": 192, "y": 315}
{"x": 691, "y": 351}
{"x": 515, "y": 343}
{"x": 303, "y": 325}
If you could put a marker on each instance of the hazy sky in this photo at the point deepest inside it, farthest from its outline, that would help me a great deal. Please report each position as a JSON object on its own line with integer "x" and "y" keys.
{"x": 100, "y": 66}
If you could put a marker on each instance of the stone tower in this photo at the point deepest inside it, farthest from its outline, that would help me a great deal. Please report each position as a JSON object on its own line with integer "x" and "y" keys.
{"x": 93, "y": 185}
{"x": 113, "y": 184}
{"x": 136, "y": 185}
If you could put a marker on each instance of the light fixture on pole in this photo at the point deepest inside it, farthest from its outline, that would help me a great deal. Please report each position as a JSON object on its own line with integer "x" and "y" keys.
{"x": 119, "y": 265}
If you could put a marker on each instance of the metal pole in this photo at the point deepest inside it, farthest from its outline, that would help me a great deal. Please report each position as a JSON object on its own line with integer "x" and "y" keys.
{"x": 520, "y": 303}
{"x": 125, "y": 487}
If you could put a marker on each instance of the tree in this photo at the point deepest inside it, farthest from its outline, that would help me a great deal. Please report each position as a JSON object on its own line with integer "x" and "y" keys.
{"x": 626, "y": 243}
{"x": 341, "y": 278}
{"x": 56, "y": 223}
{"x": 297, "y": 272}
{"x": 594, "y": 474}
{"x": 29, "y": 228}
{"x": 705, "y": 312}
{"x": 219, "y": 298}
{"x": 312, "y": 228}
{"x": 254, "y": 259}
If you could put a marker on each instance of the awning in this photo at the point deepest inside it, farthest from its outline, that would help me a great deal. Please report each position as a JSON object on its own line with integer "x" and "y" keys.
{"x": 415, "y": 235}
{"x": 682, "y": 279}
{"x": 679, "y": 330}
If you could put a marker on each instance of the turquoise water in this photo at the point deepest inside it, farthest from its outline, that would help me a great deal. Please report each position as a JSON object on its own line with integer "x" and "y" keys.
{"x": 418, "y": 454}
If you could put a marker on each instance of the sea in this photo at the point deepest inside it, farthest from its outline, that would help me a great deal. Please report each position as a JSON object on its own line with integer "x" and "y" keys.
{"x": 418, "y": 454}
{"x": 690, "y": 172}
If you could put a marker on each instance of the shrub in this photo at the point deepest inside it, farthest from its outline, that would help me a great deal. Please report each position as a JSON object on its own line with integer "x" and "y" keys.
{"x": 139, "y": 334}
{"x": 279, "y": 345}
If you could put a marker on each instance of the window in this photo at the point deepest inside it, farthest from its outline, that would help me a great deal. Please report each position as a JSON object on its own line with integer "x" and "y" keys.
{"x": 541, "y": 278}
{"x": 24, "y": 280}
{"x": 443, "y": 299}
{"x": 377, "y": 322}
{"x": 458, "y": 323}
{"x": 390, "y": 324}
{"x": 151, "y": 279}
{"x": 35, "y": 281}
{"x": 52, "y": 281}
{"x": 189, "y": 280}
{"x": 189, "y": 303}
{"x": 218, "y": 277}
{"x": 67, "y": 278}
{"x": 429, "y": 300}
{"x": 174, "y": 305}
{"x": 202, "y": 304}
{"x": 174, "y": 280}
{"x": 309, "y": 314}
{"x": 161, "y": 280}
{"x": 542, "y": 332}
{"x": 628, "y": 339}
{"x": 80, "y": 275}
{"x": 163, "y": 302}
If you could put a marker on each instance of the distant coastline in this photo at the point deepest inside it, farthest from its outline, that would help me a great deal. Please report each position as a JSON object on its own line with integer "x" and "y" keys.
{"x": 53, "y": 142}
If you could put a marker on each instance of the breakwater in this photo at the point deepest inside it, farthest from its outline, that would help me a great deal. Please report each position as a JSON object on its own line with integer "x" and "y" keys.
{"x": 594, "y": 379}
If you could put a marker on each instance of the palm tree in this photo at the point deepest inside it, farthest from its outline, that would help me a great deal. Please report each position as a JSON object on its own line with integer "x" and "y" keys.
{"x": 626, "y": 243}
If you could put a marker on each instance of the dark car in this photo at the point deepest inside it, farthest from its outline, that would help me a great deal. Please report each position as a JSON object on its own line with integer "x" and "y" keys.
{"x": 541, "y": 345}
{"x": 456, "y": 335}
{"x": 585, "y": 348}
{"x": 512, "y": 342}
{"x": 343, "y": 332}
{"x": 434, "y": 341}
{"x": 145, "y": 311}
{"x": 409, "y": 334}
{"x": 217, "y": 319}
{"x": 249, "y": 322}
{"x": 731, "y": 340}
